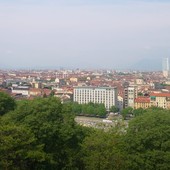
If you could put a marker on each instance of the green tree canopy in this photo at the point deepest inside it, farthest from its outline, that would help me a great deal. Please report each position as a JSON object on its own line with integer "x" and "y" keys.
{"x": 147, "y": 141}
{"x": 7, "y": 103}
{"x": 42, "y": 134}
{"x": 126, "y": 111}
{"x": 54, "y": 127}
{"x": 101, "y": 151}
{"x": 18, "y": 148}
{"x": 138, "y": 112}
{"x": 91, "y": 109}
{"x": 114, "y": 109}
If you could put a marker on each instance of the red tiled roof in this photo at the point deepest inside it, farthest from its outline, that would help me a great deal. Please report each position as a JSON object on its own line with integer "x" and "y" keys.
{"x": 160, "y": 94}
{"x": 142, "y": 100}
{"x": 46, "y": 91}
{"x": 35, "y": 90}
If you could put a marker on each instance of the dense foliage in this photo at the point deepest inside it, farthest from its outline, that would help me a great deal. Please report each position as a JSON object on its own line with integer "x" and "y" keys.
{"x": 7, "y": 103}
{"x": 41, "y": 134}
{"x": 147, "y": 141}
{"x": 127, "y": 112}
{"x": 114, "y": 109}
{"x": 91, "y": 109}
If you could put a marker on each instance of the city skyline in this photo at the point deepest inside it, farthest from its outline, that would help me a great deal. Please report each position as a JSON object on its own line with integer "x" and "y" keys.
{"x": 84, "y": 34}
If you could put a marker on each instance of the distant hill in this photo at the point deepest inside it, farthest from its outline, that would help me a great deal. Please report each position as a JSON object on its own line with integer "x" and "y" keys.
{"x": 148, "y": 64}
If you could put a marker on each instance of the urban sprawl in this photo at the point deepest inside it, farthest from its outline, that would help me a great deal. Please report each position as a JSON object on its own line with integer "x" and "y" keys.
{"x": 121, "y": 89}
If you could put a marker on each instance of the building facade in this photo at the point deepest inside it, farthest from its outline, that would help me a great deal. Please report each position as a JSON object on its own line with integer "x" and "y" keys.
{"x": 130, "y": 94}
{"x": 142, "y": 102}
{"x": 20, "y": 90}
{"x": 160, "y": 100}
{"x": 105, "y": 95}
{"x": 156, "y": 99}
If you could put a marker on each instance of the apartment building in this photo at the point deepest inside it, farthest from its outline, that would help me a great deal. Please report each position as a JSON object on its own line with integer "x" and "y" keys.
{"x": 105, "y": 95}
{"x": 23, "y": 90}
{"x": 130, "y": 94}
{"x": 142, "y": 102}
{"x": 156, "y": 99}
{"x": 160, "y": 100}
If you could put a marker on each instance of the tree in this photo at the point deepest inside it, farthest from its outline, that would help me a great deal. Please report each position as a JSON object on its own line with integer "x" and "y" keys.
{"x": 147, "y": 141}
{"x": 138, "y": 112}
{"x": 18, "y": 149}
{"x": 7, "y": 103}
{"x": 140, "y": 94}
{"x": 76, "y": 108}
{"x": 100, "y": 110}
{"x": 114, "y": 109}
{"x": 100, "y": 150}
{"x": 54, "y": 127}
{"x": 126, "y": 112}
{"x": 94, "y": 109}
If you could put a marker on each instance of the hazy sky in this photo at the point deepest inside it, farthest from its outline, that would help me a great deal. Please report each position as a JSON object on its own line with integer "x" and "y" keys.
{"x": 84, "y": 33}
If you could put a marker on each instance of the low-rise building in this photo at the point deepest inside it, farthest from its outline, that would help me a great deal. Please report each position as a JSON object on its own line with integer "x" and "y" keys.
{"x": 142, "y": 102}
{"x": 160, "y": 100}
{"x": 35, "y": 92}
{"x": 21, "y": 90}
{"x": 156, "y": 99}
{"x": 74, "y": 79}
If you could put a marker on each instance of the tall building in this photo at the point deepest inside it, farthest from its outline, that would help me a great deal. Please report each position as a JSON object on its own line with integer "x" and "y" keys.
{"x": 105, "y": 95}
{"x": 130, "y": 94}
{"x": 165, "y": 67}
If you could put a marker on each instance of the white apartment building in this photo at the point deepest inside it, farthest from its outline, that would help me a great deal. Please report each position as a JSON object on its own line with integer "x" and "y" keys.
{"x": 105, "y": 95}
{"x": 24, "y": 90}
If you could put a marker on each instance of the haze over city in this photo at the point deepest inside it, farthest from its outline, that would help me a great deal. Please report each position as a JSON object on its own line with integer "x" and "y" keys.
{"x": 124, "y": 34}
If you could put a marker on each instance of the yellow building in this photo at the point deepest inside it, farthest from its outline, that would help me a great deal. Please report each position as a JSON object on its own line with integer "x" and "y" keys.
{"x": 74, "y": 79}
{"x": 142, "y": 102}
{"x": 160, "y": 100}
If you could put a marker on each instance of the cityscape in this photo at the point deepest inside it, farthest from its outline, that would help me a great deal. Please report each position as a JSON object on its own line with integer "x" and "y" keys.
{"x": 121, "y": 89}
{"x": 84, "y": 85}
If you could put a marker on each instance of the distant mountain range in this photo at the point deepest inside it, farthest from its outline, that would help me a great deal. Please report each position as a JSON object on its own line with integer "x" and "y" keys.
{"x": 148, "y": 65}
